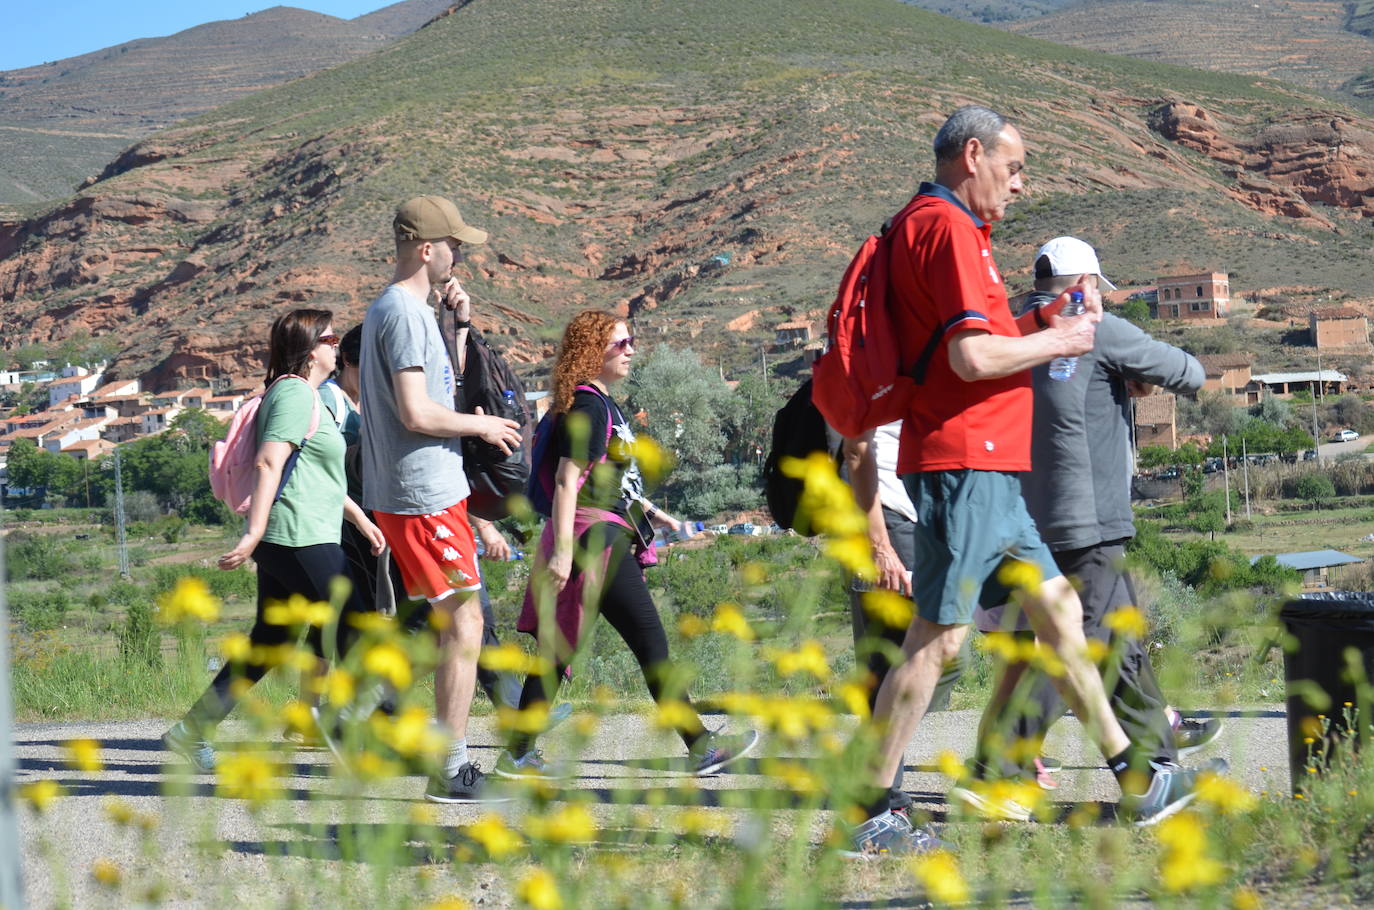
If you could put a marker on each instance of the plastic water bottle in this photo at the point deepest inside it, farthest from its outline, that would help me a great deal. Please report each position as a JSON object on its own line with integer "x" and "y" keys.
{"x": 1063, "y": 368}
{"x": 509, "y": 395}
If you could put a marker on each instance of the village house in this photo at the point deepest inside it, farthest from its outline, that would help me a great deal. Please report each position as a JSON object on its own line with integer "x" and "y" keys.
{"x": 1338, "y": 327}
{"x": 73, "y": 433}
{"x": 1156, "y": 420}
{"x": 1283, "y": 385}
{"x": 1206, "y": 295}
{"x": 796, "y": 334}
{"x": 1228, "y": 373}
{"x": 159, "y": 419}
{"x": 79, "y": 385}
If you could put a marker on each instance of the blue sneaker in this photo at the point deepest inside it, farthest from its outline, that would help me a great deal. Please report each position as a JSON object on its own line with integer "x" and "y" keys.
{"x": 198, "y": 752}
{"x": 716, "y": 750}
{"x": 891, "y": 834}
{"x": 530, "y": 766}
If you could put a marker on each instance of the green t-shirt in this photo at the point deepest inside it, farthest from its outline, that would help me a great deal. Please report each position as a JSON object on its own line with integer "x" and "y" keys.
{"x": 310, "y": 510}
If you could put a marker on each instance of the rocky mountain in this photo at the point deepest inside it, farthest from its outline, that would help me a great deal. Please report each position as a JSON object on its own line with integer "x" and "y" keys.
{"x": 708, "y": 168}
{"x": 64, "y": 120}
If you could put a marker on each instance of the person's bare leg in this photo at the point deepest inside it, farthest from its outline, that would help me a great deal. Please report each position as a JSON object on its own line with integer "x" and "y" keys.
{"x": 455, "y": 678}
{"x": 906, "y": 690}
{"x": 1056, "y": 615}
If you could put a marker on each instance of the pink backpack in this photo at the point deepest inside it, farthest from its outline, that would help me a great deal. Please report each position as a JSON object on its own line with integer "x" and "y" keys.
{"x": 232, "y": 473}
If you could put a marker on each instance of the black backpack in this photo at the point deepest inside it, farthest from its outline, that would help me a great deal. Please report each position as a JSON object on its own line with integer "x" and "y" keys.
{"x": 798, "y": 430}
{"x": 488, "y": 382}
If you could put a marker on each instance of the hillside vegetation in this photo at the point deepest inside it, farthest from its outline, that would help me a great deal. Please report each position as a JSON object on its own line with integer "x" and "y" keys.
{"x": 691, "y": 163}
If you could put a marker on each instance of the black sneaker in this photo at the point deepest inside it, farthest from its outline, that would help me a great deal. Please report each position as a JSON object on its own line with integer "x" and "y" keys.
{"x": 891, "y": 834}
{"x": 1171, "y": 788}
{"x": 1195, "y": 735}
{"x": 716, "y": 750}
{"x": 467, "y": 786}
{"x": 899, "y": 801}
{"x": 197, "y": 751}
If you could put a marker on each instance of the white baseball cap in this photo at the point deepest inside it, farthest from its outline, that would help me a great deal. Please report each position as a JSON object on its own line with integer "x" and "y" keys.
{"x": 1069, "y": 256}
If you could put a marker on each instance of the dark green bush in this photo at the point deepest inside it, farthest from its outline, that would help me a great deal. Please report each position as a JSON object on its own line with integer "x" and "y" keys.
{"x": 40, "y": 609}
{"x": 38, "y": 557}
{"x": 140, "y": 642}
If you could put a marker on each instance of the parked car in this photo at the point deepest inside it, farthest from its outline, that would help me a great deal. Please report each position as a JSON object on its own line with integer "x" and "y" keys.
{"x": 1345, "y": 436}
{"x": 1309, "y": 455}
{"x": 1168, "y": 474}
{"x": 718, "y": 529}
{"x": 744, "y": 528}
{"x": 1211, "y": 466}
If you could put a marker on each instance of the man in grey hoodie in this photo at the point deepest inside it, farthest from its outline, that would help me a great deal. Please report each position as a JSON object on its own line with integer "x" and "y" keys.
{"x": 1079, "y": 493}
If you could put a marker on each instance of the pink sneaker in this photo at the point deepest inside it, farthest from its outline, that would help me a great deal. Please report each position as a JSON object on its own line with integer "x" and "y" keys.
{"x": 1043, "y": 777}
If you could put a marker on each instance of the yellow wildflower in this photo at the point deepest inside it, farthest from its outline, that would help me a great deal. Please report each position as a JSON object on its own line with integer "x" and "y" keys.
{"x": 339, "y": 687}
{"x": 951, "y": 765}
{"x": 83, "y": 755}
{"x": 654, "y": 461}
{"x": 119, "y": 812}
{"x": 449, "y": 903}
{"x": 297, "y": 717}
{"x": 297, "y": 610}
{"x": 389, "y": 661}
{"x": 1245, "y": 899}
{"x": 410, "y": 733}
{"x": 236, "y": 648}
{"x": 1225, "y": 794}
{"x": 673, "y": 714}
{"x": 1096, "y": 651}
{"x": 689, "y": 625}
{"x": 244, "y": 775}
{"x": 106, "y": 873}
{"x": 190, "y": 599}
{"x": 793, "y": 775}
{"x": 1185, "y": 865}
{"x": 855, "y": 553}
{"x": 939, "y": 875}
{"x": 378, "y": 624}
{"x": 855, "y": 698}
{"x": 730, "y": 620}
{"x": 1127, "y": 621}
{"x": 1002, "y": 644}
{"x": 511, "y": 658}
{"x": 698, "y": 822}
{"x": 1018, "y": 574}
{"x": 808, "y": 658}
{"x": 795, "y": 718}
{"x": 889, "y": 608}
{"x": 371, "y": 766}
{"x": 585, "y": 725}
{"x": 539, "y": 890}
{"x": 573, "y": 824}
{"x": 495, "y": 836}
{"x": 41, "y": 793}
{"x": 530, "y": 720}
{"x": 753, "y": 573}
{"x": 1042, "y": 657}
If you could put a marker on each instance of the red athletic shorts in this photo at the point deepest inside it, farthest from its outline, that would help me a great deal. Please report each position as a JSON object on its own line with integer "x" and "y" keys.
{"x": 436, "y": 553}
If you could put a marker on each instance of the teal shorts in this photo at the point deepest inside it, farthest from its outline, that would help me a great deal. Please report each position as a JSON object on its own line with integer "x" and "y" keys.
{"x": 969, "y": 523}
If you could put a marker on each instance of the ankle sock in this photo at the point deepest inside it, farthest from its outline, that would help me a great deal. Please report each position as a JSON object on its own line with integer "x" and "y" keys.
{"x": 457, "y": 757}
{"x": 1119, "y": 765}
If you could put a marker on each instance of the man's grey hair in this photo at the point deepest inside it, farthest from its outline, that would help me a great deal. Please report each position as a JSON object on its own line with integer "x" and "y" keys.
{"x": 968, "y": 122}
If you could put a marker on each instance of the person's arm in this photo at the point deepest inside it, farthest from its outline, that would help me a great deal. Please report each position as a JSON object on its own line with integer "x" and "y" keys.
{"x": 664, "y": 520}
{"x": 268, "y": 466}
{"x": 493, "y": 541}
{"x": 1128, "y": 351}
{"x": 354, "y": 514}
{"x": 421, "y": 414}
{"x": 976, "y": 354}
{"x": 454, "y": 298}
{"x": 860, "y": 456}
{"x": 1036, "y": 319}
{"x": 565, "y": 487}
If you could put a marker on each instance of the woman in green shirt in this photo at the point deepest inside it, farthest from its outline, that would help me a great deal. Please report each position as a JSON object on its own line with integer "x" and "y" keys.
{"x": 299, "y": 502}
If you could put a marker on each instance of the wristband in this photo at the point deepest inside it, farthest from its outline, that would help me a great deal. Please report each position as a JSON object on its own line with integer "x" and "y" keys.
{"x": 1040, "y": 319}
{"x": 462, "y": 323}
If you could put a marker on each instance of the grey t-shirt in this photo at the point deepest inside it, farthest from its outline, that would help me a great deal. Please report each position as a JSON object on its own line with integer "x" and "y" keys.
{"x": 405, "y": 473}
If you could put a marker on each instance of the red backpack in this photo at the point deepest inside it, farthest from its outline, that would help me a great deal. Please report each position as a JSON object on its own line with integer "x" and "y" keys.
{"x": 232, "y": 472}
{"x": 860, "y": 381}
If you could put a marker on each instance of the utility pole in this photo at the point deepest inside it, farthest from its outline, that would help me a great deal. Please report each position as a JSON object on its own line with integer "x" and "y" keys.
{"x": 1316, "y": 437}
{"x": 123, "y": 542}
{"x": 763, "y": 362}
{"x": 1245, "y": 469}
{"x": 1226, "y": 478}
{"x": 11, "y": 882}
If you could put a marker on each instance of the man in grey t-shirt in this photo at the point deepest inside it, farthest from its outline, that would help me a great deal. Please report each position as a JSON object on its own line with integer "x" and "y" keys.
{"x": 412, "y": 466}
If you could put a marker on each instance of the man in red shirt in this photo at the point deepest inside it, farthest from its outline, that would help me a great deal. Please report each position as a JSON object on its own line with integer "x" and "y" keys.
{"x": 966, "y": 436}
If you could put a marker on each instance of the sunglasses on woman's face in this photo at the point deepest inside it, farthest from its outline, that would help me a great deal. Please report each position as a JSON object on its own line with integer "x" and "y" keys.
{"x": 331, "y": 339}
{"x": 622, "y": 343}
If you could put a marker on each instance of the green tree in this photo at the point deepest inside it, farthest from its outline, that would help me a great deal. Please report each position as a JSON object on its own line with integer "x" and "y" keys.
{"x": 683, "y": 405}
{"x": 199, "y": 427}
{"x": 749, "y": 417}
{"x": 1315, "y": 488}
{"x": 1137, "y": 311}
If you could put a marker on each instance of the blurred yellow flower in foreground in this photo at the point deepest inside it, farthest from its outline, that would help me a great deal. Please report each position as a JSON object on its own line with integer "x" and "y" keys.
{"x": 939, "y": 875}
{"x": 41, "y": 793}
{"x": 854, "y": 697}
{"x": 529, "y": 720}
{"x": 118, "y": 811}
{"x": 106, "y": 873}
{"x": 951, "y": 765}
{"x": 296, "y": 715}
{"x": 1001, "y": 644}
{"x": 539, "y": 890}
{"x": 808, "y": 658}
{"x": 855, "y": 553}
{"x": 1127, "y": 621}
{"x": 339, "y": 687}
{"x": 689, "y": 625}
{"x": 410, "y": 733}
{"x": 793, "y": 775}
{"x": 390, "y": 662}
{"x": 297, "y": 610}
{"x": 573, "y": 824}
{"x": 190, "y": 599}
{"x": 888, "y": 607}
{"x": 730, "y": 620}
{"x": 495, "y": 836}
{"x": 449, "y": 903}
{"x": 1245, "y": 899}
{"x": 371, "y": 766}
{"x": 1184, "y": 864}
{"x": 1018, "y": 574}
{"x": 673, "y": 714}
{"x": 83, "y": 755}
{"x": 654, "y": 461}
{"x": 827, "y": 501}
{"x": 511, "y": 658}
{"x": 246, "y": 776}
{"x": 1225, "y": 794}
{"x": 236, "y": 648}
{"x": 698, "y": 822}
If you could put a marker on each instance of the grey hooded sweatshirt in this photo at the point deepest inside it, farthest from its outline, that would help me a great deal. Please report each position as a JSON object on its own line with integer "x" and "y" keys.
{"x": 1079, "y": 487}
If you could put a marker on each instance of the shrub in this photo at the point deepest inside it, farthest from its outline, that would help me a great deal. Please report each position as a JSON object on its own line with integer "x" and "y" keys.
{"x": 140, "y": 642}
{"x": 1314, "y": 488}
{"x": 239, "y": 584}
{"x": 40, "y": 609}
{"x": 38, "y": 557}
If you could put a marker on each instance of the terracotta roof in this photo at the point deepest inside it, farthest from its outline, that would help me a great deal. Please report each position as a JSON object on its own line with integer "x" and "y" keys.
{"x": 792, "y": 325}
{"x": 1219, "y": 362}
{"x": 1339, "y": 312}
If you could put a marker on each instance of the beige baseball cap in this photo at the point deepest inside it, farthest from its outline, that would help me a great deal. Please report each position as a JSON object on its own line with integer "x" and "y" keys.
{"x": 433, "y": 218}
{"x": 1069, "y": 256}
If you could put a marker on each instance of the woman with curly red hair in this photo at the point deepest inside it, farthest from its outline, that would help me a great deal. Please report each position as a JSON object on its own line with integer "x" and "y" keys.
{"x": 597, "y": 541}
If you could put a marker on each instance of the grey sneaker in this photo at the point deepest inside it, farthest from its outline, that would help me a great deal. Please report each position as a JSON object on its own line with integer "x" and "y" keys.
{"x": 891, "y": 834}
{"x": 1192, "y": 736}
{"x": 716, "y": 750}
{"x": 198, "y": 752}
{"x": 467, "y": 786}
{"x": 530, "y": 766}
{"x": 1171, "y": 788}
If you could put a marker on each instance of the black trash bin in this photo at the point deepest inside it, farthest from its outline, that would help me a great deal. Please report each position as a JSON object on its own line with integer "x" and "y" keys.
{"x": 1329, "y": 630}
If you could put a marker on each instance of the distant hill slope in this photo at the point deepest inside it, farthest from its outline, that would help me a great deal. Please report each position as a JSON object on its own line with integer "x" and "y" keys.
{"x": 707, "y": 167}
{"x": 62, "y": 121}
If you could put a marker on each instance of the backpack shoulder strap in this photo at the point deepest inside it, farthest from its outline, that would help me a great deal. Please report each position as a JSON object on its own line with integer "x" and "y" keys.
{"x": 610, "y": 429}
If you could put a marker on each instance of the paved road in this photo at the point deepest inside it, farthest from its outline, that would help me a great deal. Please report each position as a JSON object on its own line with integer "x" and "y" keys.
{"x": 61, "y": 845}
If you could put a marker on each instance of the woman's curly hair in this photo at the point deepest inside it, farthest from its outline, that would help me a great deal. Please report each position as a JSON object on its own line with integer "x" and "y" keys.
{"x": 581, "y": 354}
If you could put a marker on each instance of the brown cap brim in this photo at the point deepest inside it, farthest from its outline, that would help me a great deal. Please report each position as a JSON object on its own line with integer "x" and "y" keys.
{"x": 470, "y": 234}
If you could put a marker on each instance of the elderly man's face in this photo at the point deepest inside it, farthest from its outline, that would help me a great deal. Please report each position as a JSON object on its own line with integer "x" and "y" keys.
{"x": 997, "y": 175}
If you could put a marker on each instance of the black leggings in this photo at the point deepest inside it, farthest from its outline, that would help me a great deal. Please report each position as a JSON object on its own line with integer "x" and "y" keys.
{"x": 627, "y": 606}
{"x": 282, "y": 571}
